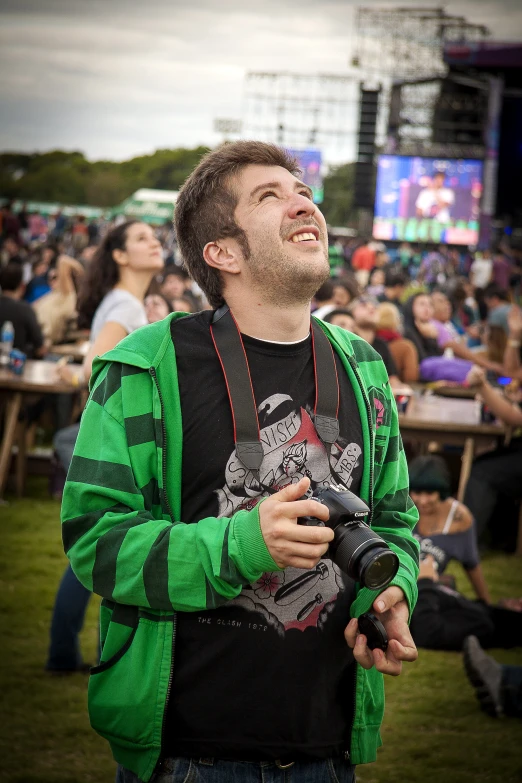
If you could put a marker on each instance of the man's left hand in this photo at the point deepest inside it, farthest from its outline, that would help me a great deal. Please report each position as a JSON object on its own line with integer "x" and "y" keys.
{"x": 391, "y": 609}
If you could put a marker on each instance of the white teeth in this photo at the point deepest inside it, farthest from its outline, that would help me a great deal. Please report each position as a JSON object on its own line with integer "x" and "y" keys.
{"x": 302, "y": 237}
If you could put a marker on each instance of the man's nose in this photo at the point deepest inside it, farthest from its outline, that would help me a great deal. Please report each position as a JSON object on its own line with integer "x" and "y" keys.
{"x": 300, "y": 206}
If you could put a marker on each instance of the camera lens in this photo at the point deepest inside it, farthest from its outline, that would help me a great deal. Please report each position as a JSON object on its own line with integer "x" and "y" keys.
{"x": 377, "y": 568}
{"x": 363, "y": 555}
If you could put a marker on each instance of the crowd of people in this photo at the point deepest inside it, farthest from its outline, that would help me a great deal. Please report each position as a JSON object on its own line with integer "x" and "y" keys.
{"x": 432, "y": 315}
{"x": 437, "y": 315}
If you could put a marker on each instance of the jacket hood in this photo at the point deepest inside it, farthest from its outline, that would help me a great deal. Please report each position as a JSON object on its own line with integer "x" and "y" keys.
{"x": 143, "y": 348}
{"x": 146, "y": 346}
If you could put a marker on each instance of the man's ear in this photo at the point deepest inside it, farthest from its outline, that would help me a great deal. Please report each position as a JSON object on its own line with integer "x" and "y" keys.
{"x": 223, "y": 256}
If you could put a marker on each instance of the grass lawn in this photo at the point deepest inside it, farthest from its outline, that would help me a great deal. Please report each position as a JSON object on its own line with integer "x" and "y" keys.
{"x": 433, "y": 730}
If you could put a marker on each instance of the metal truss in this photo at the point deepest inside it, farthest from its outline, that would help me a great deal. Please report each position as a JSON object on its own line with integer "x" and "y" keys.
{"x": 296, "y": 109}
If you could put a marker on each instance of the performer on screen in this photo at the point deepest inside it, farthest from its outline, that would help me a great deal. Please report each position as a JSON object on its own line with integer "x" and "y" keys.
{"x": 435, "y": 201}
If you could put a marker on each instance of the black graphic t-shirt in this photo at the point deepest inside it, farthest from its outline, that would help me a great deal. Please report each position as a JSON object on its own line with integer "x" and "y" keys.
{"x": 269, "y": 674}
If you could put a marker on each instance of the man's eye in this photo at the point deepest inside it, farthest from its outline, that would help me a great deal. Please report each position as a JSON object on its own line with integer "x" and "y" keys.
{"x": 268, "y": 193}
{"x": 306, "y": 193}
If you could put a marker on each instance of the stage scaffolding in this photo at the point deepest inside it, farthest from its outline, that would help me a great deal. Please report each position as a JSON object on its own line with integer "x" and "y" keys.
{"x": 302, "y": 110}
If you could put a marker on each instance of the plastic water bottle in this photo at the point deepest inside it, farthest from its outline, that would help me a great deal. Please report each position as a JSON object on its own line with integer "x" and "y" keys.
{"x": 6, "y": 343}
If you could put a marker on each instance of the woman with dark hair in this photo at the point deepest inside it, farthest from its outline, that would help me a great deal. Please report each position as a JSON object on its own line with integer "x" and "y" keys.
{"x": 443, "y": 617}
{"x": 431, "y": 340}
{"x": 111, "y": 303}
{"x": 444, "y": 522}
{"x": 418, "y": 326}
{"x": 346, "y": 289}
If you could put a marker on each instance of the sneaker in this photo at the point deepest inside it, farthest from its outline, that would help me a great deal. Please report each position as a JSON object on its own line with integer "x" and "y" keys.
{"x": 485, "y": 674}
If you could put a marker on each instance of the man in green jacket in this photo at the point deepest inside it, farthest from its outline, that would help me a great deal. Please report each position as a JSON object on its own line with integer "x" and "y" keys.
{"x": 228, "y": 652}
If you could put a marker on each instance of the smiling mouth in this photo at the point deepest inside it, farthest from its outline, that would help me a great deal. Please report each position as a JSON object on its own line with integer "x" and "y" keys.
{"x": 304, "y": 236}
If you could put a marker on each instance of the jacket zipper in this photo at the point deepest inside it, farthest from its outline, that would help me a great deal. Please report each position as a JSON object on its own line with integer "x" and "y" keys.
{"x": 355, "y": 369}
{"x": 152, "y": 371}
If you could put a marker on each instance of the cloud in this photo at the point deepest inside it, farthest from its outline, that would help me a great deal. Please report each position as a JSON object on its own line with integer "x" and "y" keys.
{"x": 123, "y": 77}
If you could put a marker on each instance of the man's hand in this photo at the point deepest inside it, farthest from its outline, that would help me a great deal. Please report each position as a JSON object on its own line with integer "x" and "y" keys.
{"x": 391, "y": 609}
{"x": 291, "y": 544}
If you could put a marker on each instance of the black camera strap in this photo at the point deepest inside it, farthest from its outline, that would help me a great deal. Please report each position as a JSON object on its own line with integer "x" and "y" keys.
{"x": 234, "y": 363}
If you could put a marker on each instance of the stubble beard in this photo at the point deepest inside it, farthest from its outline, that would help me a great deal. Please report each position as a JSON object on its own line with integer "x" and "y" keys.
{"x": 283, "y": 280}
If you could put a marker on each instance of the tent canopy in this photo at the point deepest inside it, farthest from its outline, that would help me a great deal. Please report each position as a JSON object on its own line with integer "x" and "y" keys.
{"x": 149, "y": 205}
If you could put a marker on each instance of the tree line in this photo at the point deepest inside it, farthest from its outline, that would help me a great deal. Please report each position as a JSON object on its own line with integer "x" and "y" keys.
{"x": 69, "y": 178}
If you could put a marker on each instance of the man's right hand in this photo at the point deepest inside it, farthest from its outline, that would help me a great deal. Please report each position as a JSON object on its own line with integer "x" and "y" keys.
{"x": 291, "y": 544}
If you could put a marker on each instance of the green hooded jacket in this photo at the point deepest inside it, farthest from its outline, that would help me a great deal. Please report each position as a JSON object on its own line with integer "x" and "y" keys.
{"x": 126, "y": 542}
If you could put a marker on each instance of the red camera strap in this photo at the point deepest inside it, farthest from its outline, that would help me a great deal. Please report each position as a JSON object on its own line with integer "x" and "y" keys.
{"x": 234, "y": 363}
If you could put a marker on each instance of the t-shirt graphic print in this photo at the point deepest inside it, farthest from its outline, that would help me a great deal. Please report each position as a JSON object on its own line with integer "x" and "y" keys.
{"x": 292, "y": 450}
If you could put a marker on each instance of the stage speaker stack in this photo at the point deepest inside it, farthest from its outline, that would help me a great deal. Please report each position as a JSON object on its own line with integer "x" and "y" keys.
{"x": 364, "y": 168}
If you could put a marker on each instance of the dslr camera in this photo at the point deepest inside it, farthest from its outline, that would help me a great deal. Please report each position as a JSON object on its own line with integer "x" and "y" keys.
{"x": 356, "y": 549}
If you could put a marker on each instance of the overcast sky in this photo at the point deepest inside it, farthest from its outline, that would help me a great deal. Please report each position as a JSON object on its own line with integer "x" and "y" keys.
{"x": 116, "y": 78}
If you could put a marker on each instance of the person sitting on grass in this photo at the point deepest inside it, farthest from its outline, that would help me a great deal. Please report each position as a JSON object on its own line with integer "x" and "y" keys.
{"x": 443, "y": 617}
{"x": 498, "y": 687}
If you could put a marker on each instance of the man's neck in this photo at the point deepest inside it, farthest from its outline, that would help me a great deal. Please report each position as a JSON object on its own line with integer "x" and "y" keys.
{"x": 269, "y": 322}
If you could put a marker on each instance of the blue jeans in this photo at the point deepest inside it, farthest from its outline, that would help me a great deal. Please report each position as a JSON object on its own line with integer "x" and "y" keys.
{"x": 182, "y": 770}
{"x": 72, "y": 597}
{"x": 64, "y": 442}
{"x": 69, "y": 610}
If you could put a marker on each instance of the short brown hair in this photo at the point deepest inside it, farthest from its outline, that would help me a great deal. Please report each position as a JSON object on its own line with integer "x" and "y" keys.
{"x": 205, "y": 206}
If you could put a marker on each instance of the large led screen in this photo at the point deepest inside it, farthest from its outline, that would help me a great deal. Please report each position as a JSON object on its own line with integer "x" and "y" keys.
{"x": 428, "y": 200}
{"x": 309, "y": 161}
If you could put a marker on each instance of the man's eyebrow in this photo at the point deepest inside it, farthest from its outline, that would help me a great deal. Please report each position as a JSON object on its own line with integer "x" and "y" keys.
{"x": 272, "y": 185}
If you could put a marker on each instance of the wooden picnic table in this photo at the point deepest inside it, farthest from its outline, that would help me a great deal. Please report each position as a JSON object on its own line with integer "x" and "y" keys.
{"x": 38, "y": 377}
{"x": 445, "y": 389}
{"x": 450, "y": 421}
{"x": 77, "y": 351}
{"x": 454, "y": 422}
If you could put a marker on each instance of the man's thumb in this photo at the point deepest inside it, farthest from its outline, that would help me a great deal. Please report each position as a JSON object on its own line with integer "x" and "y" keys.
{"x": 387, "y": 599}
{"x": 294, "y": 491}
